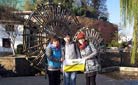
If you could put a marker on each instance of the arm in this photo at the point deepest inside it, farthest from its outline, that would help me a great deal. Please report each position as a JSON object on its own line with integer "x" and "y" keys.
{"x": 49, "y": 55}
{"x": 63, "y": 54}
{"x": 77, "y": 51}
{"x": 94, "y": 51}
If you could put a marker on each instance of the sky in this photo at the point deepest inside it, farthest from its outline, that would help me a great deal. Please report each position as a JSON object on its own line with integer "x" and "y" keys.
{"x": 113, "y": 7}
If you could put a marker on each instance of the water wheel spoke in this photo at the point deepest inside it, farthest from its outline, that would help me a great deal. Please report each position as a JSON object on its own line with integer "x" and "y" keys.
{"x": 38, "y": 58}
{"x": 42, "y": 58}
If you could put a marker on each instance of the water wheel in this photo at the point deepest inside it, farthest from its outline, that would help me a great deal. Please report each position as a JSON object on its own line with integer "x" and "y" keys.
{"x": 45, "y": 21}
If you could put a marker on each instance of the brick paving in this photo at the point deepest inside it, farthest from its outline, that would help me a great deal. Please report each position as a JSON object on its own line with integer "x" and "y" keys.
{"x": 40, "y": 80}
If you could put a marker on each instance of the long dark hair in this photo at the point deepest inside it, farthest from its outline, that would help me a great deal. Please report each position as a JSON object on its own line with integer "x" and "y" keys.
{"x": 54, "y": 38}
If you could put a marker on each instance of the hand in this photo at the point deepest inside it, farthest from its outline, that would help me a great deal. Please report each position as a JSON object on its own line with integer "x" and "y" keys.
{"x": 62, "y": 59}
{"x": 61, "y": 70}
{"x": 85, "y": 58}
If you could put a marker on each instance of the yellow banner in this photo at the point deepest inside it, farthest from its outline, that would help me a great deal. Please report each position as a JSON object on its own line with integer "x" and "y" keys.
{"x": 74, "y": 65}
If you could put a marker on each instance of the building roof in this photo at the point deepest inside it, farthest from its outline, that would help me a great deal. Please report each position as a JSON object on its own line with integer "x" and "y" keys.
{"x": 15, "y": 17}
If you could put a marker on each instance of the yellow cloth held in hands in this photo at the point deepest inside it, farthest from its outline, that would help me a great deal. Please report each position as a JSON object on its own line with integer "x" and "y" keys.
{"x": 72, "y": 65}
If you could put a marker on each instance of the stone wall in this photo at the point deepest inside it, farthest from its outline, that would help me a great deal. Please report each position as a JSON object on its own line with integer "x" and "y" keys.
{"x": 11, "y": 66}
{"x": 110, "y": 59}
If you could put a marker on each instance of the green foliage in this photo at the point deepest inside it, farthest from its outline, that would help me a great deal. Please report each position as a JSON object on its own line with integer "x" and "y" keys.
{"x": 135, "y": 44}
{"x": 129, "y": 12}
{"x": 114, "y": 43}
{"x": 65, "y": 3}
{"x": 79, "y": 11}
{"x": 93, "y": 10}
{"x": 29, "y": 5}
{"x": 9, "y": 3}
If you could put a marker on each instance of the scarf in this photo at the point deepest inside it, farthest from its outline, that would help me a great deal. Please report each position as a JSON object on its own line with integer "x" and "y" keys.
{"x": 56, "y": 48}
{"x": 82, "y": 46}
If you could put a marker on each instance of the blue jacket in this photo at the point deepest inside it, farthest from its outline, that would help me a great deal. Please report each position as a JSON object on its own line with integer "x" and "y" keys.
{"x": 53, "y": 56}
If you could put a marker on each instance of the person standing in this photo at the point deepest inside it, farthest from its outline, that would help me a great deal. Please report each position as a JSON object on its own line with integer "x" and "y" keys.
{"x": 71, "y": 51}
{"x": 88, "y": 52}
{"x": 54, "y": 60}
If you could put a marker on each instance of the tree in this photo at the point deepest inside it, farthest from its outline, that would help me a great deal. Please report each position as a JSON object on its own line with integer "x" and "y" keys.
{"x": 129, "y": 12}
{"x": 92, "y": 9}
{"x": 87, "y": 8}
{"x": 99, "y": 7}
{"x": 6, "y": 9}
{"x": 12, "y": 32}
{"x": 29, "y": 5}
{"x": 32, "y": 4}
{"x": 66, "y": 3}
{"x": 9, "y": 3}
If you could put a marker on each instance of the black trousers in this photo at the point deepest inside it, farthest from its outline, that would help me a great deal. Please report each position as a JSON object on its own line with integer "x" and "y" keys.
{"x": 54, "y": 77}
{"x": 91, "y": 79}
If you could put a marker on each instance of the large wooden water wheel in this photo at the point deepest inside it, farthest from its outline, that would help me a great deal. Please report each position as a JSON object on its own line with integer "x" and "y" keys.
{"x": 45, "y": 21}
{"x": 48, "y": 20}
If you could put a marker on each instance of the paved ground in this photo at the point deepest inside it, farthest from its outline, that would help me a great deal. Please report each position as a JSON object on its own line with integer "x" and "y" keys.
{"x": 40, "y": 80}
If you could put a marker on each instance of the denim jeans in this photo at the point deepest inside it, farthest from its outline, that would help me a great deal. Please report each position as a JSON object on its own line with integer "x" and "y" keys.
{"x": 70, "y": 78}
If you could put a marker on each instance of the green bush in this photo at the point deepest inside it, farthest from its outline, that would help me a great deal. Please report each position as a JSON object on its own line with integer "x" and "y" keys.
{"x": 114, "y": 43}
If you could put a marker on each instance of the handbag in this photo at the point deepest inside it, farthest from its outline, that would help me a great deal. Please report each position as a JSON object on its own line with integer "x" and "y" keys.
{"x": 91, "y": 65}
